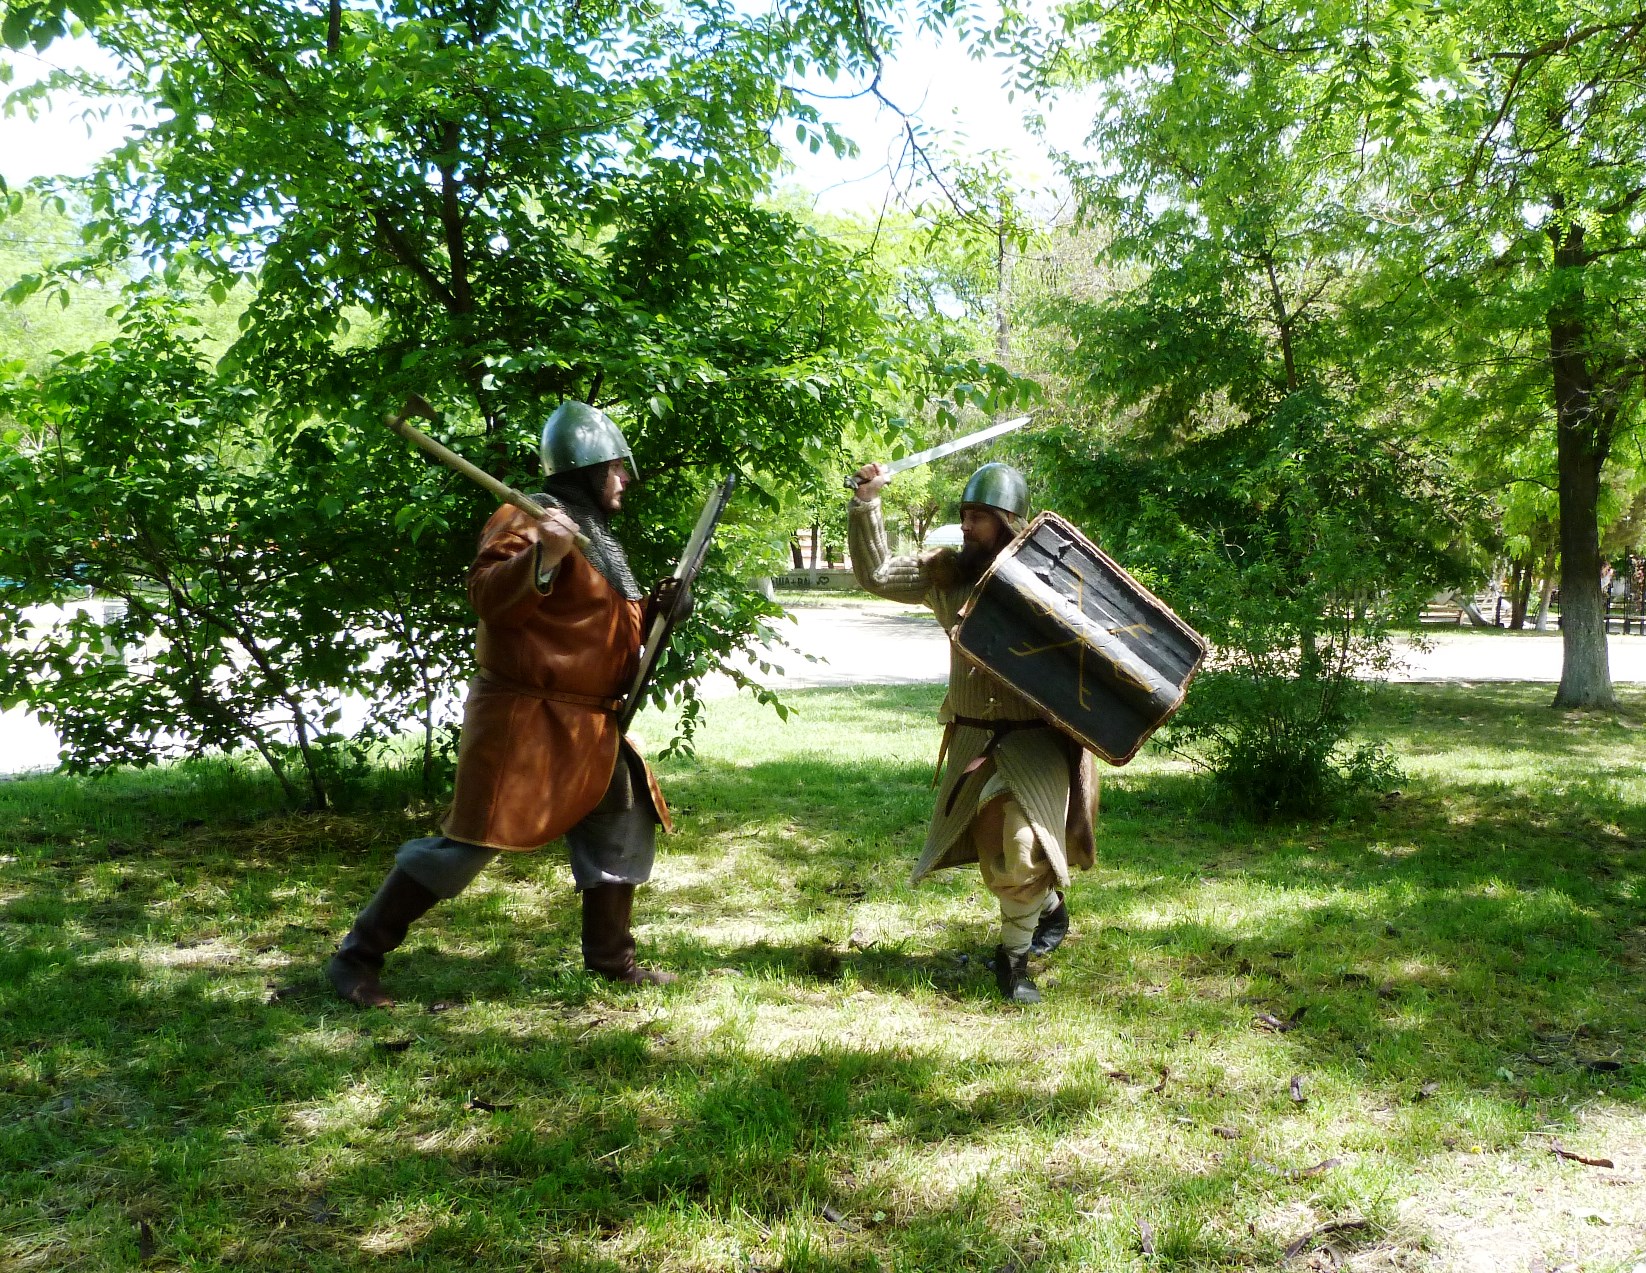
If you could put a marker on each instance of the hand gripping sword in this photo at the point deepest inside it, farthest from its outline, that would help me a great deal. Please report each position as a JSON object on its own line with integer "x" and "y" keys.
{"x": 945, "y": 448}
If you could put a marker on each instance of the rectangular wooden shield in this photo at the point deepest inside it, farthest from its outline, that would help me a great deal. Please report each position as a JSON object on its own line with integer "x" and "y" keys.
{"x": 1059, "y": 621}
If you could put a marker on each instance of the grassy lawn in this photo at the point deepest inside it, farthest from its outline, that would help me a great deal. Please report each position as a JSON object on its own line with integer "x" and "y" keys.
{"x": 1358, "y": 1044}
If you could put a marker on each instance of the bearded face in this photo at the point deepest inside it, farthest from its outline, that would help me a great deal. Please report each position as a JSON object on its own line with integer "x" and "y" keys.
{"x": 983, "y": 533}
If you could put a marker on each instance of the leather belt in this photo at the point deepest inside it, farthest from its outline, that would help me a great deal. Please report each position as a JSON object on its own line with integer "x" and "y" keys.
{"x": 596, "y": 701}
{"x": 997, "y": 729}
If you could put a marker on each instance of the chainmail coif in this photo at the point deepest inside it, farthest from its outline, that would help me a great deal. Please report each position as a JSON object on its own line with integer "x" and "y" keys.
{"x": 576, "y": 492}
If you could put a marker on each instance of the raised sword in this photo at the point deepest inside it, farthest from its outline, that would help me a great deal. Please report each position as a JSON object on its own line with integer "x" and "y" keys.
{"x": 944, "y": 448}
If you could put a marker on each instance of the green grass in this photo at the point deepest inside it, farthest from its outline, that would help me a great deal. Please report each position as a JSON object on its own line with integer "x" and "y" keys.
{"x": 834, "y": 1085}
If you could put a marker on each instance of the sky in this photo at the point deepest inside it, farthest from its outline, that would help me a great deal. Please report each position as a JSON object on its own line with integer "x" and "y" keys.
{"x": 59, "y": 143}
{"x": 963, "y": 104}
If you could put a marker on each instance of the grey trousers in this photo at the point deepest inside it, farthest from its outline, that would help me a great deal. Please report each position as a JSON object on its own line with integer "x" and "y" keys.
{"x": 616, "y": 843}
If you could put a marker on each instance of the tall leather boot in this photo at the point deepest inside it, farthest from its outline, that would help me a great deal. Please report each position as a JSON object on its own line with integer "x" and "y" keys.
{"x": 1011, "y": 974}
{"x": 1052, "y": 928}
{"x": 608, "y": 943}
{"x": 378, "y": 929}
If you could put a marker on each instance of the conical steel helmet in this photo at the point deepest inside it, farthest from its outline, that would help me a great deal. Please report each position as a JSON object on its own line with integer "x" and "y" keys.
{"x": 998, "y": 486}
{"x": 578, "y": 435}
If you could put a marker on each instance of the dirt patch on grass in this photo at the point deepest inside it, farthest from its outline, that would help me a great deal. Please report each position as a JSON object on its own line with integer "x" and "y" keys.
{"x": 1535, "y": 1210}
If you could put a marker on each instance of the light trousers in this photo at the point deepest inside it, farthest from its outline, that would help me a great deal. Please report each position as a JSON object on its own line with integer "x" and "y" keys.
{"x": 1014, "y": 868}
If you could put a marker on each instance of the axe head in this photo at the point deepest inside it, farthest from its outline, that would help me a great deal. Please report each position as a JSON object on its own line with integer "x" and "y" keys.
{"x": 417, "y": 405}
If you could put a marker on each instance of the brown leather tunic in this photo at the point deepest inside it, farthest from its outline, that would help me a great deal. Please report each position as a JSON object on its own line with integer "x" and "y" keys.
{"x": 540, "y": 739}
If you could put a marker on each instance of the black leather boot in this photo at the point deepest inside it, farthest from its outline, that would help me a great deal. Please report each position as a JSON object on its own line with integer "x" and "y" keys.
{"x": 608, "y": 943}
{"x": 1052, "y": 929}
{"x": 378, "y": 929}
{"x": 1011, "y": 974}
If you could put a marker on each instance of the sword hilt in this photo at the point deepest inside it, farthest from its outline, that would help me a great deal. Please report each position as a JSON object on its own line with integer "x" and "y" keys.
{"x": 854, "y": 481}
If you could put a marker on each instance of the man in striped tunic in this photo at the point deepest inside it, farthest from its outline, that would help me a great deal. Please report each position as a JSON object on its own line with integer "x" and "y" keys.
{"x": 1017, "y": 795}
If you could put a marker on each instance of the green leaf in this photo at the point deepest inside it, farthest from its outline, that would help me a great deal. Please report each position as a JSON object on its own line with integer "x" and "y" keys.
{"x": 16, "y": 28}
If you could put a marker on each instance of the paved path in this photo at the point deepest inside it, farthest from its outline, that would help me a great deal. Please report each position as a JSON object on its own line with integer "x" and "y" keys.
{"x": 860, "y": 641}
{"x": 872, "y": 642}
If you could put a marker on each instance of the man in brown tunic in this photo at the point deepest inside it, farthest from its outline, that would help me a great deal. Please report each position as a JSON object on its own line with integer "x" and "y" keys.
{"x": 541, "y": 756}
{"x": 1017, "y": 796}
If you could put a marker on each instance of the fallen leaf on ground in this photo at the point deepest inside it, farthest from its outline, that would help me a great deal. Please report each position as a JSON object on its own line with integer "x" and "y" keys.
{"x": 1560, "y": 1151}
{"x": 1145, "y": 1237}
{"x": 1426, "y": 1091}
{"x": 488, "y": 1107}
{"x": 1228, "y": 1133}
{"x": 1300, "y": 1244}
{"x": 1297, "y": 1088}
{"x": 1303, "y": 1173}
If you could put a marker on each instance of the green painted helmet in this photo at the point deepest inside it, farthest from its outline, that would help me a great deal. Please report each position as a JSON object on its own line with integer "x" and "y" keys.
{"x": 998, "y": 486}
{"x": 578, "y": 435}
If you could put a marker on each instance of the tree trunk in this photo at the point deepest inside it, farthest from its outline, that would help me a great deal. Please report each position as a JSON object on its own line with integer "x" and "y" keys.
{"x": 817, "y": 538}
{"x": 1002, "y": 295}
{"x": 1519, "y": 593}
{"x": 795, "y": 555}
{"x": 1548, "y": 578}
{"x": 1581, "y": 437}
{"x": 1585, "y": 674}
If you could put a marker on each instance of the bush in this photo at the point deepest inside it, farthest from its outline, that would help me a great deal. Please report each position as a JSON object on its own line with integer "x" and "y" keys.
{"x": 1275, "y": 746}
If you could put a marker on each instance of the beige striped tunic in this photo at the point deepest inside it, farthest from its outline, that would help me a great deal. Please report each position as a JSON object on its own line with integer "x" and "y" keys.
{"x": 1033, "y": 765}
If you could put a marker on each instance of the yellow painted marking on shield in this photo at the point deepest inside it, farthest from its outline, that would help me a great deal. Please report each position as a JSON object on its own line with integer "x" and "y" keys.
{"x": 1080, "y": 661}
{"x": 1133, "y": 630}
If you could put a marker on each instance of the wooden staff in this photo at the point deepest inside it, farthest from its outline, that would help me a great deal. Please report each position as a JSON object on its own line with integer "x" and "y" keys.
{"x": 417, "y": 406}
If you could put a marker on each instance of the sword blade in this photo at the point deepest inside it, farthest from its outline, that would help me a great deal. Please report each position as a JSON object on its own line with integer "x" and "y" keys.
{"x": 949, "y": 448}
{"x": 691, "y": 561}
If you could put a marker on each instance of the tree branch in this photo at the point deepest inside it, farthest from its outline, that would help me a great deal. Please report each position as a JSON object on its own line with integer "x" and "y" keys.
{"x": 1565, "y": 43}
{"x": 451, "y": 219}
{"x": 402, "y": 249}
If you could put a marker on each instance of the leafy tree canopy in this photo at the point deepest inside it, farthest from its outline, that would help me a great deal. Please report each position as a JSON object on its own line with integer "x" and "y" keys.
{"x": 497, "y": 205}
{"x": 1391, "y": 194}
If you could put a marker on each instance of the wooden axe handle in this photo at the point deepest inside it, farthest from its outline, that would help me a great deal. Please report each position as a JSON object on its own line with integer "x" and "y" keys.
{"x": 506, "y": 494}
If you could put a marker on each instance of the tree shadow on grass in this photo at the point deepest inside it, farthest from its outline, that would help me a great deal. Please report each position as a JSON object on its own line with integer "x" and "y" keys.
{"x": 545, "y": 1120}
{"x": 289, "y": 1137}
{"x": 580, "y": 1123}
{"x": 322, "y": 1143}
